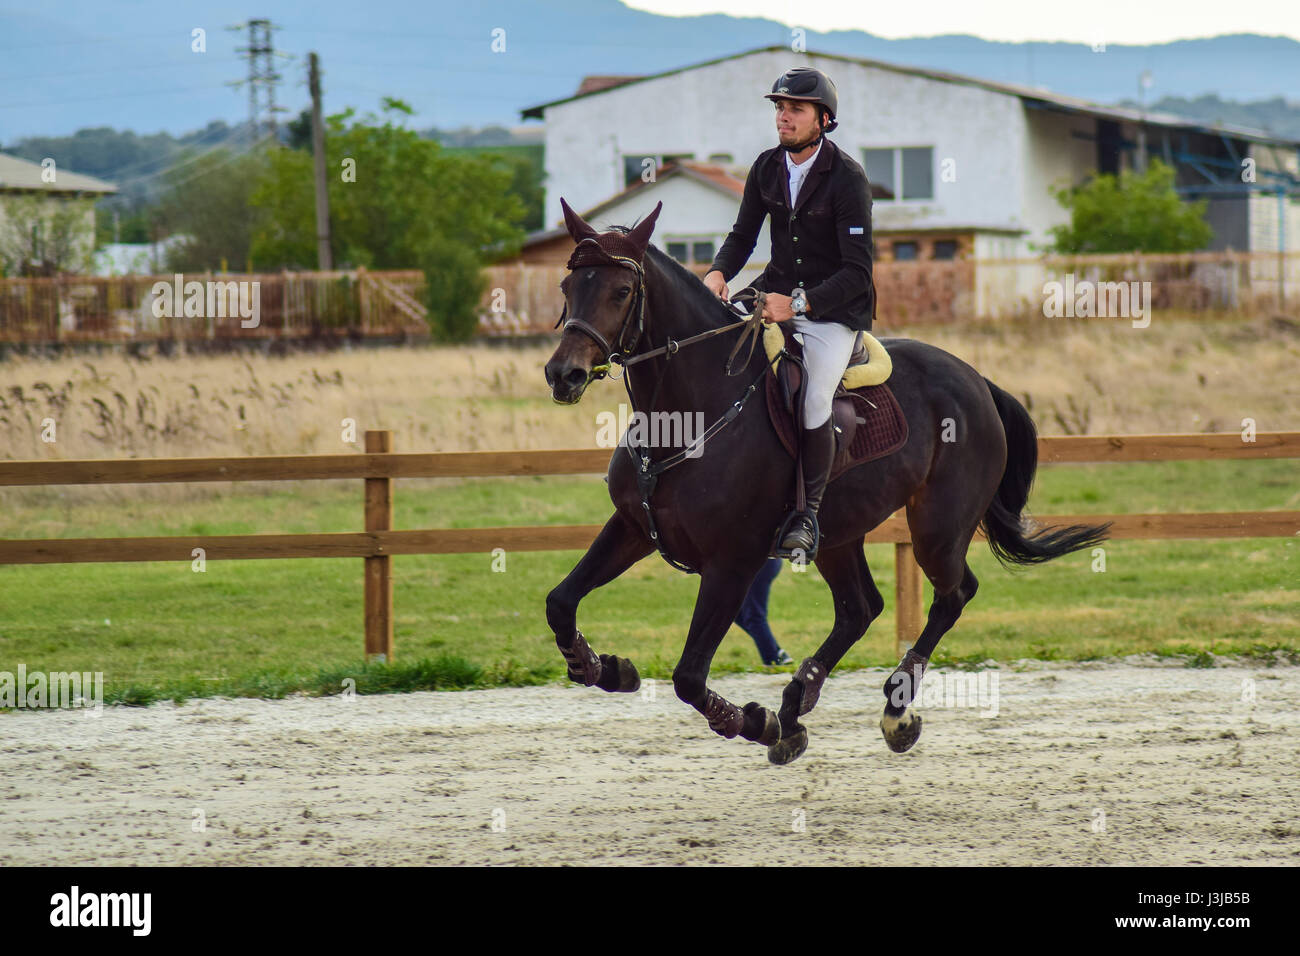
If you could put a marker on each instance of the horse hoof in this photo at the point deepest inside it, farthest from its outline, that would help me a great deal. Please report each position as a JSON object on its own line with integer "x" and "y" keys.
{"x": 788, "y": 748}
{"x": 770, "y": 732}
{"x": 618, "y": 675}
{"x": 901, "y": 732}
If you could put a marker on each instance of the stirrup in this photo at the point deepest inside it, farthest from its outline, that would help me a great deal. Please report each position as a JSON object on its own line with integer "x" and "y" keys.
{"x": 789, "y": 553}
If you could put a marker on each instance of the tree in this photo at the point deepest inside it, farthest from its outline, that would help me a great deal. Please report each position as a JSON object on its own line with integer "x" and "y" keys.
{"x": 207, "y": 200}
{"x": 1131, "y": 213}
{"x": 397, "y": 201}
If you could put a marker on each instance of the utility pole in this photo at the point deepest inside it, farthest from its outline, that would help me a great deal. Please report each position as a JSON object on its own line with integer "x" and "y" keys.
{"x": 324, "y": 258}
{"x": 1145, "y": 80}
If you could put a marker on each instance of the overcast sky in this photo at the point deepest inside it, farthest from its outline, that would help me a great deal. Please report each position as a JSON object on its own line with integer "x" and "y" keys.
{"x": 1116, "y": 21}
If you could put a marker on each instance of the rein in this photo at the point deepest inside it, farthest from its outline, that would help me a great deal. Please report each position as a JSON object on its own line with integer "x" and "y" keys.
{"x": 753, "y": 324}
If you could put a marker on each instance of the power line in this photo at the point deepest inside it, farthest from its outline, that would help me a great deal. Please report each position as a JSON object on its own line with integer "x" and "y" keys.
{"x": 228, "y": 140}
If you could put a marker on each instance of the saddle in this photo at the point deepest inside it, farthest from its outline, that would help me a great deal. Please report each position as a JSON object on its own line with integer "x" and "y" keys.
{"x": 868, "y": 421}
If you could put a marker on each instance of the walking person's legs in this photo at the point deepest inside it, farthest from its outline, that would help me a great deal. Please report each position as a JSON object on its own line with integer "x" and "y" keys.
{"x": 753, "y": 615}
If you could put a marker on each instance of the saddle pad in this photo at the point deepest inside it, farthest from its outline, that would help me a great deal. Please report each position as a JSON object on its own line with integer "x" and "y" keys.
{"x": 873, "y": 371}
{"x": 883, "y": 432}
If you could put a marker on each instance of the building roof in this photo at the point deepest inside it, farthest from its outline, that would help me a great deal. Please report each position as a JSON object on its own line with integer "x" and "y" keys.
{"x": 594, "y": 84}
{"x": 707, "y": 174}
{"x": 1032, "y": 96}
{"x": 18, "y": 173}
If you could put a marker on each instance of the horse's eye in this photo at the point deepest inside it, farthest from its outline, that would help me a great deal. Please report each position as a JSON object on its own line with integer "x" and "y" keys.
{"x": 624, "y": 292}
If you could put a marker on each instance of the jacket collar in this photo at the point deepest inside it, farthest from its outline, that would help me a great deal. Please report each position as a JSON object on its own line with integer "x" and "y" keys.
{"x": 821, "y": 164}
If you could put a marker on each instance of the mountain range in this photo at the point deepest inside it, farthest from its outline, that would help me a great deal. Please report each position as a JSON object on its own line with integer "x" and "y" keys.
{"x": 132, "y": 65}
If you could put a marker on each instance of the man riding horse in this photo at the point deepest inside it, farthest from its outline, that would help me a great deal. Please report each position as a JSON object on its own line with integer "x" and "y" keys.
{"x": 819, "y": 274}
{"x": 711, "y": 507}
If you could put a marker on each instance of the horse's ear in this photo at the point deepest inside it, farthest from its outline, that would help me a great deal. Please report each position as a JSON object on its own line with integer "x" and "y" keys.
{"x": 577, "y": 227}
{"x": 641, "y": 232}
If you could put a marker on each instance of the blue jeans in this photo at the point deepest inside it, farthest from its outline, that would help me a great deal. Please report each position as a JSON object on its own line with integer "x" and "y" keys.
{"x": 753, "y": 613}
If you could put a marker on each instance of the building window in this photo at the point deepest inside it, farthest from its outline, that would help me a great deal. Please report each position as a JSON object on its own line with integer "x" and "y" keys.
{"x": 904, "y": 251}
{"x": 945, "y": 249}
{"x": 900, "y": 173}
{"x": 724, "y": 158}
{"x": 691, "y": 250}
{"x": 635, "y": 167}
{"x": 918, "y": 172}
{"x": 879, "y": 165}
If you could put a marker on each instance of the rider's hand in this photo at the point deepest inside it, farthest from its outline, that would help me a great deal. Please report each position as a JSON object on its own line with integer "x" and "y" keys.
{"x": 777, "y": 308}
{"x": 716, "y": 284}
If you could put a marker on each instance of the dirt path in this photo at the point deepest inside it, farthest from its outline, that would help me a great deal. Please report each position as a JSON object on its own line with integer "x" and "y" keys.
{"x": 1184, "y": 770}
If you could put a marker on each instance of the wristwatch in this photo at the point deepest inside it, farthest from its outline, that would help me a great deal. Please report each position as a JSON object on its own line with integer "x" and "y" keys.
{"x": 799, "y": 302}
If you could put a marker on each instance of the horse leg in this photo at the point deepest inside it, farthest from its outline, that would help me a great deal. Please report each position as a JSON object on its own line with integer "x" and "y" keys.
{"x": 721, "y": 594}
{"x": 857, "y": 603}
{"x": 943, "y": 558}
{"x": 619, "y": 545}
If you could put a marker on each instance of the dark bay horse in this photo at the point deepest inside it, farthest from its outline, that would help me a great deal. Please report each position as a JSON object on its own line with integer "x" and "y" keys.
{"x": 969, "y": 461}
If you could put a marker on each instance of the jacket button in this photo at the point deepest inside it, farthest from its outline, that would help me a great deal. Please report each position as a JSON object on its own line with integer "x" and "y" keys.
{"x": 801, "y": 283}
{"x": 798, "y": 262}
{"x": 796, "y": 238}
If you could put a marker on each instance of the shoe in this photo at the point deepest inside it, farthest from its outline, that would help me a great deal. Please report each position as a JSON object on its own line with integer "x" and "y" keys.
{"x": 781, "y": 658}
{"x": 818, "y": 454}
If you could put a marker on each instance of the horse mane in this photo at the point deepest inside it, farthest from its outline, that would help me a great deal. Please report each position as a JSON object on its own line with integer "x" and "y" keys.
{"x": 688, "y": 284}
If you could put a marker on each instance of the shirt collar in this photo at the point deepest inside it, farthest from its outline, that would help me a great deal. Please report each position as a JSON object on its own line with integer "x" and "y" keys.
{"x": 802, "y": 168}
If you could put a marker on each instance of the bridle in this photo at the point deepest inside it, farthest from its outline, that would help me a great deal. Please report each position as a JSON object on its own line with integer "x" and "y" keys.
{"x": 611, "y": 354}
{"x": 621, "y": 353}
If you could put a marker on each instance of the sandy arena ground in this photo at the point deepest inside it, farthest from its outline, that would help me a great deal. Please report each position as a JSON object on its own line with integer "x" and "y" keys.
{"x": 1132, "y": 763}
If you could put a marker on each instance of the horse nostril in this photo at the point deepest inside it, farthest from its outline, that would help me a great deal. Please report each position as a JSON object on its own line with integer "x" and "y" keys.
{"x": 575, "y": 377}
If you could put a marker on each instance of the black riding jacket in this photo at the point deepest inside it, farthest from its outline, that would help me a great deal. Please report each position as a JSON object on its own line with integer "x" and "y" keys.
{"x": 824, "y": 244}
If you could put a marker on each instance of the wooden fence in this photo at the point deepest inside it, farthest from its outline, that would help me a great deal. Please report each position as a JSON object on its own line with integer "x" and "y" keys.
{"x": 525, "y": 299}
{"x": 291, "y": 305}
{"x": 378, "y": 543}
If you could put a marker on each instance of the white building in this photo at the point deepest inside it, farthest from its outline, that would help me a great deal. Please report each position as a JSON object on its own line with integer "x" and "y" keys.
{"x": 47, "y": 216}
{"x": 960, "y": 166}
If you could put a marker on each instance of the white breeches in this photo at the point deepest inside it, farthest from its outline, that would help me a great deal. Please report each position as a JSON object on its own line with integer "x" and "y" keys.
{"x": 827, "y": 348}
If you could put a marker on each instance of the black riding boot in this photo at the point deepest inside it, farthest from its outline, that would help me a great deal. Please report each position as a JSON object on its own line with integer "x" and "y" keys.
{"x": 818, "y": 453}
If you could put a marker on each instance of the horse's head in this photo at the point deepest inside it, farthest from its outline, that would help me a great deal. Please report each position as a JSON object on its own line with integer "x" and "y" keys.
{"x": 604, "y": 302}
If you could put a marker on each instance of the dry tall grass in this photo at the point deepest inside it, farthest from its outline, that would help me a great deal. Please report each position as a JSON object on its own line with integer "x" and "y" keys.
{"x": 1076, "y": 377}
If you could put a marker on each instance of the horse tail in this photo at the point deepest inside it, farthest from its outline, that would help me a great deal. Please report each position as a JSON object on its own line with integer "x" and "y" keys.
{"x": 1003, "y": 523}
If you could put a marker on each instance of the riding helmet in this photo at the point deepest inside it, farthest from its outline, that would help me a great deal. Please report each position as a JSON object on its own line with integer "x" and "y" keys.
{"x": 813, "y": 86}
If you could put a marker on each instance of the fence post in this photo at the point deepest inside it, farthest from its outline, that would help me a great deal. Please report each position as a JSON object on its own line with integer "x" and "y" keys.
{"x": 363, "y": 298}
{"x": 379, "y": 569}
{"x": 909, "y": 595}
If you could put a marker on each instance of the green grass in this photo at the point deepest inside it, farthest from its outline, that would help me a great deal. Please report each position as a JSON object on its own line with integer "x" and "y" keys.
{"x": 272, "y": 628}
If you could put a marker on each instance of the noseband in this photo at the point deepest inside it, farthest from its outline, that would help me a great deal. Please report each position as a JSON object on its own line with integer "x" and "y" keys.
{"x": 595, "y": 255}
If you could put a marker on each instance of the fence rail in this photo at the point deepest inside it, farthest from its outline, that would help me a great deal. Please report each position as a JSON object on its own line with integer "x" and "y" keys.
{"x": 379, "y": 466}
